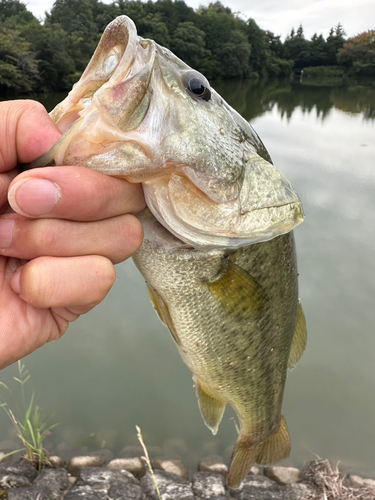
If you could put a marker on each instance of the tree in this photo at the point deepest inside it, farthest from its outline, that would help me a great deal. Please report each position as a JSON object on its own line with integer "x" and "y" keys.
{"x": 297, "y": 48}
{"x": 189, "y": 44}
{"x": 18, "y": 67}
{"x": 358, "y": 54}
{"x": 335, "y": 42}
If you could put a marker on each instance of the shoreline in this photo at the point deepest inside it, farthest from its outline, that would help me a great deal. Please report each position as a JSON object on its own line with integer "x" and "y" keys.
{"x": 92, "y": 477}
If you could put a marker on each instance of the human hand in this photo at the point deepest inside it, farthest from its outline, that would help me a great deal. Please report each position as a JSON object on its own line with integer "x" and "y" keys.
{"x": 60, "y": 234}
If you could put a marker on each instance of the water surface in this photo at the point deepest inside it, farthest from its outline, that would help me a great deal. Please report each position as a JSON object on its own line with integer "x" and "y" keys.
{"x": 117, "y": 367}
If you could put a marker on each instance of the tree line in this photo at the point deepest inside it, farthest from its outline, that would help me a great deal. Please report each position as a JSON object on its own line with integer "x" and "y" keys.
{"x": 36, "y": 57}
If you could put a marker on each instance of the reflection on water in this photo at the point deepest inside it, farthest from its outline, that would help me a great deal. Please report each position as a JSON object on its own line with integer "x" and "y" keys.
{"x": 117, "y": 367}
{"x": 252, "y": 99}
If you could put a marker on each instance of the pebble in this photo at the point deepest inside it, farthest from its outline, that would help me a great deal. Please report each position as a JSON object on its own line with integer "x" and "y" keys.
{"x": 213, "y": 463}
{"x": 174, "y": 466}
{"x": 126, "y": 492}
{"x": 134, "y": 465}
{"x": 57, "y": 462}
{"x": 20, "y": 481}
{"x": 358, "y": 482}
{"x": 171, "y": 486}
{"x": 208, "y": 484}
{"x": 283, "y": 475}
{"x": 77, "y": 463}
{"x": 54, "y": 479}
{"x": 86, "y": 493}
{"x": 20, "y": 469}
{"x": 102, "y": 477}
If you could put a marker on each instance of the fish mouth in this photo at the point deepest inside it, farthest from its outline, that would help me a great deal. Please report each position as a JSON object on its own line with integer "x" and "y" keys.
{"x": 111, "y": 98}
{"x": 267, "y": 206}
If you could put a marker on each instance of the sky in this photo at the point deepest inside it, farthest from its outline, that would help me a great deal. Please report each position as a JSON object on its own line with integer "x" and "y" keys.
{"x": 316, "y": 16}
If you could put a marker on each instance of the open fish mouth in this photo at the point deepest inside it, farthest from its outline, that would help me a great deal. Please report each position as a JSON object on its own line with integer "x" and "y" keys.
{"x": 140, "y": 113}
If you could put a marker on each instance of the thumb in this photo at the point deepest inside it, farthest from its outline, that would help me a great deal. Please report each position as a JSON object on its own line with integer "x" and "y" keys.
{"x": 26, "y": 132}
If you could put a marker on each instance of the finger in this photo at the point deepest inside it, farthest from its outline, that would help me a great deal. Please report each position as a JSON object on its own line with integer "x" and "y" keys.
{"x": 116, "y": 238}
{"x": 75, "y": 282}
{"x": 26, "y": 132}
{"x": 5, "y": 180}
{"x": 74, "y": 193}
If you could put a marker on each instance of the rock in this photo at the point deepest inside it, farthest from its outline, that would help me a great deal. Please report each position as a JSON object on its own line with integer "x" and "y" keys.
{"x": 213, "y": 463}
{"x": 256, "y": 485}
{"x": 134, "y": 465}
{"x": 358, "y": 482}
{"x": 54, "y": 479}
{"x": 254, "y": 470}
{"x": 174, "y": 466}
{"x": 85, "y": 493}
{"x": 126, "y": 492}
{"x": 4, "y": 456}
{"x": 106, "y": 454}
{"x": 102, "y": 477}
{"x": 20, "y": 469}
{"x": 259, "y": 482}
{"x": 33, "y": 493}
{"x": 283, "y": 475}
{"x": 77, "y": 463}
{"x": 13, "y": 481}
{"x": 298, "y": 491}
{"x": 208, "y": 484}
{"x": 72, "y": 480}
{"x": 171, "y": 486}
{"x": 57, "y": 462}
{"x": 257, "y": 494}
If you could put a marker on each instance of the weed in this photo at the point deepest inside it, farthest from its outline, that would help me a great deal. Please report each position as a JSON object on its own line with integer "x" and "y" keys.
{"x": 32, "y": 428}
{"x": 146, "y": 458}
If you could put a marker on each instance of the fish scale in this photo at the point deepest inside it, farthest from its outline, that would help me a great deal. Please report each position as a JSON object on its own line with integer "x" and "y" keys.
{"x": 218, "y": 253}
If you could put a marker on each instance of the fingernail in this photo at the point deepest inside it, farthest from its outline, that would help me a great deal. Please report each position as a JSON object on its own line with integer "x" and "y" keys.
{"x": 34, "y": 196}
{"x": 6, "y": 233}
{"x": 16, "y": 281}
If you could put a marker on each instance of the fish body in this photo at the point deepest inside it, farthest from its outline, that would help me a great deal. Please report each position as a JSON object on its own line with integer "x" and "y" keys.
{"x": 218, "y": 254}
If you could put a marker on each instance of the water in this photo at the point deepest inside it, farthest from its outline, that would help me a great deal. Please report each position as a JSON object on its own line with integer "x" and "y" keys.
{"x": 117, "y": 366}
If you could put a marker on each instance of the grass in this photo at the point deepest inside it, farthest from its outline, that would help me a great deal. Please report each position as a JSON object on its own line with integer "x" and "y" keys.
{"x": 31, "y": 427}
{"x": 328, "y": 484}
{"x": 146, "y": 458}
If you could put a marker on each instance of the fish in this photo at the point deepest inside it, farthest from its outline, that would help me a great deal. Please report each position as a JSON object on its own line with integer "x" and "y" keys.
{"x": 218, "y": 254}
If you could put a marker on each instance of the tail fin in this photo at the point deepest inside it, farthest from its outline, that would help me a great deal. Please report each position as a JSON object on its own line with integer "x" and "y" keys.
{"x": 243, "y": 458}
{"x": 270, "y": 451}
{"x": 275, "y": 448}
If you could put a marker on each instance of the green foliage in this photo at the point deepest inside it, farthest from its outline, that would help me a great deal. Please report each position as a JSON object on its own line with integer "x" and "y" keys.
{"x": 18, "y": 66}
{"x": 358, "y": 54}
{"x": 30, "y": 425}
{"x": 213, "y": 40}
{"x": 323, "y": 71}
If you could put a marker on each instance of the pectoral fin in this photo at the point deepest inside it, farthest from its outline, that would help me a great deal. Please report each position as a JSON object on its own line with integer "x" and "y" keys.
{"x": 163, "y": 312}
{"x": 238, "y": 293}
{"x": 299, "y": 339}
{"x": 211, "y": 408}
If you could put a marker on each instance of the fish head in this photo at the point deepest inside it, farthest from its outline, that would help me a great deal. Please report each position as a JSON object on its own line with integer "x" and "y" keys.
{"x": 140, "y": 113}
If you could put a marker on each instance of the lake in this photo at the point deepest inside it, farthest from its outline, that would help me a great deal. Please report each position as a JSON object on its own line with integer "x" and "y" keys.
{"x": 117, "y": 367}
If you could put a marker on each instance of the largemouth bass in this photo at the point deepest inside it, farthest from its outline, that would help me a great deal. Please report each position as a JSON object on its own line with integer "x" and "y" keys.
{"x": 218, "y": 254}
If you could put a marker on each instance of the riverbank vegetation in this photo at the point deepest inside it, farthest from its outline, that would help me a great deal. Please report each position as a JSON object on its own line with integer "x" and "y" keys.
{"x": 50, "y": 56}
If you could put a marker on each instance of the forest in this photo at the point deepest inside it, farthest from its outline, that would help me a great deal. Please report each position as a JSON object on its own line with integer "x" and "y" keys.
{"x": 50, "y": 56}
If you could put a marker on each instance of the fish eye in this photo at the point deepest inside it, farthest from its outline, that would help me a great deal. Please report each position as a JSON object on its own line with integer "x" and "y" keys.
{"x": 197, "y": 85}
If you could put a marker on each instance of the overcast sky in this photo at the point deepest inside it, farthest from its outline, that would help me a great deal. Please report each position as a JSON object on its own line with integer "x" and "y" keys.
{"x": 280, "y": 16}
